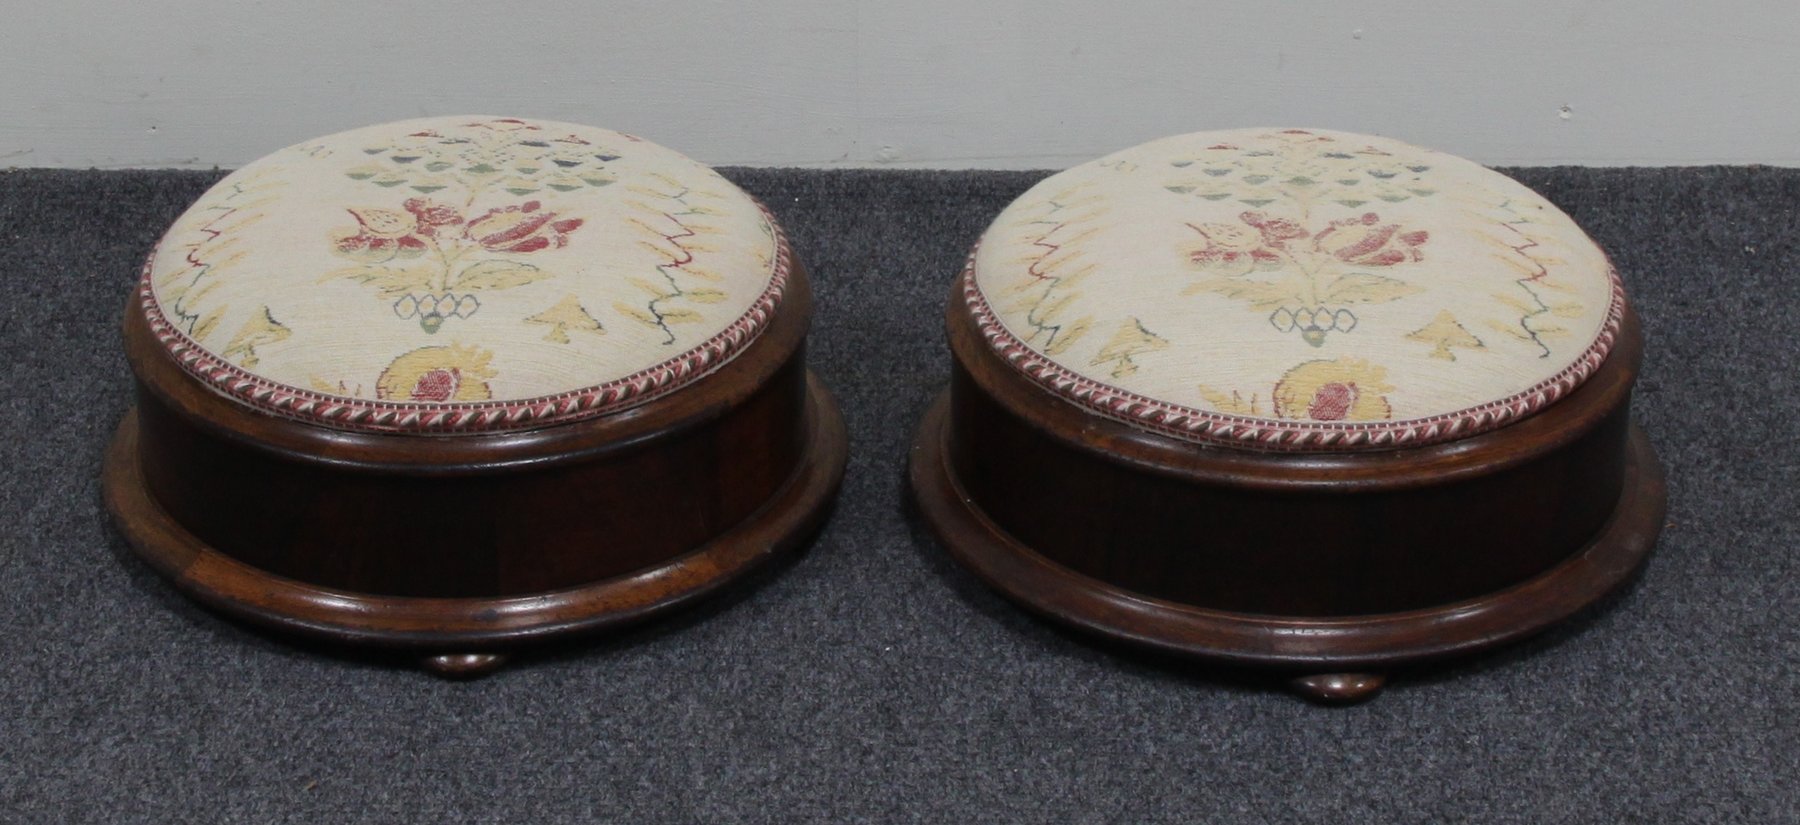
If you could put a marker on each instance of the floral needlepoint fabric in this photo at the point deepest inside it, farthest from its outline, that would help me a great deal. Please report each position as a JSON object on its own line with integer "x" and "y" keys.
{"x": 1295, "y": 289}
{"x": 463, "y": 273}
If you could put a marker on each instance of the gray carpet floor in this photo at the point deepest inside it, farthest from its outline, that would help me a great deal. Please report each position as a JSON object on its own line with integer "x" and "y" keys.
{"x": 872, "y": 680}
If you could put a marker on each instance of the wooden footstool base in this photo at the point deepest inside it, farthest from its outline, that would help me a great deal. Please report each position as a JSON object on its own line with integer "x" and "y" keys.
{"x": 1332, "y": 660}
{"x": 462, "y": 637}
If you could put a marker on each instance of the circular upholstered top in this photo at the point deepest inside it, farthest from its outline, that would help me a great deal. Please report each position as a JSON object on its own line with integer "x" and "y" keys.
{"x": 1294, "y": 290}
{"x": 463, "y": 274}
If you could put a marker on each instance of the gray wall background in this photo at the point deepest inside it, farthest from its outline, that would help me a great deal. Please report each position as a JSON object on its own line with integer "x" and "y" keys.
{"x": 931, "y": 83}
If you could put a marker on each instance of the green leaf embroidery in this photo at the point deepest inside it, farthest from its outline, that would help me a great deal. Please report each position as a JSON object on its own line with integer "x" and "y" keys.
{"x": 392, "y": 282}
{"x": 496, "y": 274}
{"x": 1363, "y": 288}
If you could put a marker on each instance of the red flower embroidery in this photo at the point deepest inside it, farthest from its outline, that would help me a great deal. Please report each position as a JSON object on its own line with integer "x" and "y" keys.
{"x": 1275, "y": 231}
{"x": 523, "y": 228}
{"x": 1332, "y": 401}
{"x": 381, "y": 236}
{"x": 429, "y": 216}
{"x": 1258, "y": 240}
{"x": 441, "y": 374}
{"x": 1347, "y": 389}
{"x": 374, "y": 249}
{"x": 437, "y": 385}
{"x": 1366, "y": 241}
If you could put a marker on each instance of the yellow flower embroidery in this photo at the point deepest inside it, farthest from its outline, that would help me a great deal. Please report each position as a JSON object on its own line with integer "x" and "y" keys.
{"x": 452, "y": 373}
{"x": 1347, "y": 389}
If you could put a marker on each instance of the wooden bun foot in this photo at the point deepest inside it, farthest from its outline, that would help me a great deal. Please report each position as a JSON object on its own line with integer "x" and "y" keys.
{"x": 464, "y": 665}
{"x": 1339, "y": 688}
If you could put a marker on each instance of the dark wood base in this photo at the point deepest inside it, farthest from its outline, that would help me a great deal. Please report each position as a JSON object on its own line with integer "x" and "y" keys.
{"x": 464, "y": 637}
{"x": 1331, "y": 659}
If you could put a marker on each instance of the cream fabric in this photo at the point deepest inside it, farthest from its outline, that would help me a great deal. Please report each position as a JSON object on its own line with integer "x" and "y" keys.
{"x": 1280, "y": 276}
{"x": 458, "y": 260}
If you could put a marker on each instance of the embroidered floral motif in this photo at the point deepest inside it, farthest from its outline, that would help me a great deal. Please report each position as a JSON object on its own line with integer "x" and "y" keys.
{"x": 1259, "y": 242}
{"x": 381, "y": 236}
{"x": 1301, "y": 171}
{"x": 1342, "y": 291}
{"x": 525, "y": 238}
{"x": 1345, "y": 389}
{"x": 1366, "y": 241}
{"x": 440, "y": 374}
{"x": 429, "y": 217}
{"x": 1312, "y": 284}
{"x": 505, "y": 154}
{"x": 444, "y": 287}
{"x": 518, "y": 229}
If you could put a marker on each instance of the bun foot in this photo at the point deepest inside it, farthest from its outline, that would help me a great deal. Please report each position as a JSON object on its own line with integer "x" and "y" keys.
{"x": 1339, "y": 688}
{"x": 463, "y": 665}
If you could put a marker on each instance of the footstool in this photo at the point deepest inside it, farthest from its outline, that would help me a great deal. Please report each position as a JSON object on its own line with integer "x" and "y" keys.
{"x": 453, "y": 385}
{"x": 1320, "y": 403}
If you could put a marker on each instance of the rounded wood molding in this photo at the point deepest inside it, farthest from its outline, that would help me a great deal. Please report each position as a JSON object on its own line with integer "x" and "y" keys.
{"x": 460, "y": 636}
{"x": 1328, "y": 650}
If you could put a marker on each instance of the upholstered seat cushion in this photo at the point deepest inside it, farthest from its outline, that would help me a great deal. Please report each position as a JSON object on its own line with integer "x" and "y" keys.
{"x": 1293, "y": 289}
{"x": 463, "y": 273}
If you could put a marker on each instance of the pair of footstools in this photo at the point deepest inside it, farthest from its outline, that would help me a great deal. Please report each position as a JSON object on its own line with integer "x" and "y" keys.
{"x": 1318, "y": 402}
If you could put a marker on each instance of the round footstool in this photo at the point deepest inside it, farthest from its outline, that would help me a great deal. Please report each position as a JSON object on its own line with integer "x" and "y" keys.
{"x": 453, "y": 385}
{"x": 1316, "y": 402}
